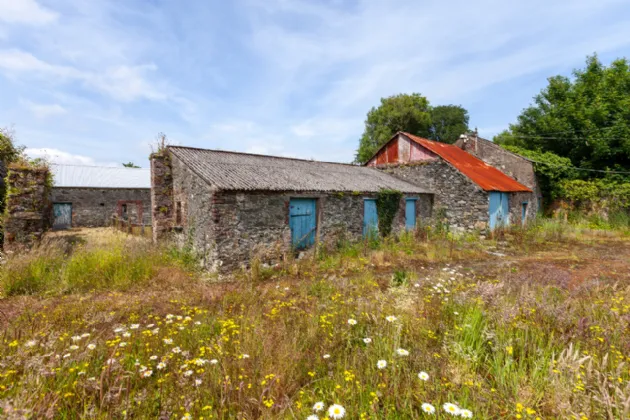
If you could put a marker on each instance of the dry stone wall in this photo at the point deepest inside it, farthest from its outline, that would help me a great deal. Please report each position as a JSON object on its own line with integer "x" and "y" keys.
{"x": 161, "y": 195}
{"x": 28, "y": 206}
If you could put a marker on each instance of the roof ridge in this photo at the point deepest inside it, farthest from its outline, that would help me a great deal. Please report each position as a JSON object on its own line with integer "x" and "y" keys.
{"x": 96, "y": 166}
{"x": 264, "y": 156}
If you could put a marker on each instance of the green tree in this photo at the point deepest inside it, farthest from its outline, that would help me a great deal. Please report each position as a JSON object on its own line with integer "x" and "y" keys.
{"x": 130, "y": 165}
{"x": 448, "y": 122}
{"x": 585, "y": 118}
{"x": 411, "y": 113}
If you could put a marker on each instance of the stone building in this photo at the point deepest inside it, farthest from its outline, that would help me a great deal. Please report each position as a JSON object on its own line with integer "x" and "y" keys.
{"x": 469, "y": 193}
{"x": 231, "y": 207}
{"x": 88, "y": 196}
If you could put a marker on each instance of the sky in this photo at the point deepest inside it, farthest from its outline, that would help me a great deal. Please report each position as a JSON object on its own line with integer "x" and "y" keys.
{"x": 94, "y": 82}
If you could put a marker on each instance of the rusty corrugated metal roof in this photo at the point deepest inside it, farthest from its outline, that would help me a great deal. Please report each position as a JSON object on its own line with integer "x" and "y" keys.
{"x": 249, "y": 172}
{"x": 487, "y": 177}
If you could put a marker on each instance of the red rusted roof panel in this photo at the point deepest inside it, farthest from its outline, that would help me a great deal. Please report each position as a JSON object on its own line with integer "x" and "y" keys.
{"x": 487, "y": 177}
{"x": 392, "y": 152}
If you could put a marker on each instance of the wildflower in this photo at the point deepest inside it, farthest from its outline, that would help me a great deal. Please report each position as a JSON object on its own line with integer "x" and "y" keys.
{"x": 336, "y": 411}
{"x": 155, "y": 331}
{"x": 122, "y": 344}
{"x": 85, "y": 335}
{"x": 214, "y": 361}
{"x": 65, "y": 356}
{"x": 150, "y": 326}
{"x": 167, "y": 341}
{"x": 416, "y": 285}
{"x": 147, "y": 373}
{"x": 119, "y": 330}
{"x": 73, "y": 347}
{"x": 110, "y": 362}
{"x": 509, "y": 350}
{"x": 161, "y": 365}
{"x": 134, "y": 326}
{"x": 169, "y": 316}
{"x": 467, "y": 414}
{"x": 326, "y": 356}
{"x": 91, "y": 379}
{"x": 428, "y": 408}
{"x": 391, "y": 318}
{"x": 76, "y": 338}
{"x": 187, "y": 416}
{"x": 153, "y": 357}
{"x": 126, "y": 334}
{"x": 91, "y": 346}
{"x": 367, "y": 340}
{"x": 352, "y": 321}
{"x": 312, "y": 417}
{"x": 452, "y": 409}
{"x": 381, "y": 364}
{"x": 423, "y": 376}
{"x": 402, "y": 352}
{"x": 245, "y": 356}
{"x": 30, "y": 343}
{"x": 176, "y": 350}
{"x": 319, "y": 406}
{"x": 197, "y": 322}
{"x": 198, "y": 382}
{"x": 188, "y": 373}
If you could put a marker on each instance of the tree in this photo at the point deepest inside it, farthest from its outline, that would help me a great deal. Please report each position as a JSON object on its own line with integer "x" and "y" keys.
{"x": 448, "y": 122}
{"x": 130, "y": 165}
{"x": 397, "y": 113}
{"x": 585, "y": 118}
{"x": 413, "y": 114}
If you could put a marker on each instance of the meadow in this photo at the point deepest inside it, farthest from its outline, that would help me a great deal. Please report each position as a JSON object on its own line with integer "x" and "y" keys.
{"x": 528, "y": 324}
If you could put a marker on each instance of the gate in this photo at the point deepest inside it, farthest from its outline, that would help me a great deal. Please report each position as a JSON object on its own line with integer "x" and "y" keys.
{"x": 303, "y": 222}
{"x": 62, "y": 213}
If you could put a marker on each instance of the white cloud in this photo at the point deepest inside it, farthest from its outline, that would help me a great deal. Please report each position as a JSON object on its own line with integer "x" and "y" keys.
{"x": 65, "y": 158}
{"x": 25, "y": 11}
{"x": 45, "y": 110}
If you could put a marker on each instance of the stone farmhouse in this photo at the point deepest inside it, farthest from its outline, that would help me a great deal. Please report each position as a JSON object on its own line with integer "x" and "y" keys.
{"x": 231, "y": 207}
{"x": 88, "y": 196}
{"x": 470, "y": 191}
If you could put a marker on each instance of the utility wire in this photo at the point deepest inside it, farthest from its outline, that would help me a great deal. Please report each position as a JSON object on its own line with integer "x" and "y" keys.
{"x": 578, "y": 169}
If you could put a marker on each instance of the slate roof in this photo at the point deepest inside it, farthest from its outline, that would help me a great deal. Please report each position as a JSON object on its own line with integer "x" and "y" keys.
{"x": 486, "y": 176}
{"x": 249, "y": 172}
{"x": 100, "y": 176}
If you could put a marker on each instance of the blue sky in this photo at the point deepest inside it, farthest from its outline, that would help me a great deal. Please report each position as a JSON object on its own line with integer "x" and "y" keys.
{"x": 93, "y": 82}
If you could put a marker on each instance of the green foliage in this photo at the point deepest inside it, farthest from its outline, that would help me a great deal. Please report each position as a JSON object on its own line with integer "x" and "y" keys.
{"x": 550, "y": 168}
{"x": 130, "y": 165}
{"x": 387, "y": 204}
{"x": 413, "y": 114}
{"x": 586, "y": 118}
{"x": 611, "y": 195}
{"x": 448, "y": 122}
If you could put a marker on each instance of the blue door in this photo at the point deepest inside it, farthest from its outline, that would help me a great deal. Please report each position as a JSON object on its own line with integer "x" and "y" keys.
{"x": 370, "y": 217}
{"x": 524, "y": 212}
{"x": 410, "y": 213}
{"x": 303, "y": 222}
{"x": 499, "y": 209}
{"x": 62, "y": 213}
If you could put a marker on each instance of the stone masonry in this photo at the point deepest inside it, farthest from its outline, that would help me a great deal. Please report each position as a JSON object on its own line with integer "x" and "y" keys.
{"x": 161, "y": 195}
{"x": 28, "y": 206}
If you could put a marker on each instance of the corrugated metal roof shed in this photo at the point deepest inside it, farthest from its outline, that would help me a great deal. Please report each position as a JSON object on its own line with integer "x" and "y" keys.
{"x": 486, "y": 176}
{"x": 244, "y": 171}
{"x": 100, "y": 176}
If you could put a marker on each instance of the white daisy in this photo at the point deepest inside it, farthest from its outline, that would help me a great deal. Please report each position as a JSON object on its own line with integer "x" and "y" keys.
{"x": 153, "y": 357}
{"x": 198, "y": 382}
{"x": 428, "y": 408}
{"x": 312, "y": 417}
{"x": 245, "y": 356}
{"x": 134, "y": 326}
{"x": 167, "y": 341}
{"x": 85, "y": 335}
{"x": 188, "y": 373}
{"x": 176, "y": 350}
{"x": 319, "y": 406}
{"x": 30, "y": 343}
{"x": 467, "y": 414}
{"x": 126, "y": 334}
{"x": 391, "y": 318}
{"x": 326, "y": 356}
{"x": 424, "y": 376}
{"x": 161, "y": 365}
{"x": 452, "y": 409}
{"x": 91, "y": 346}
{"x": 214, "y": 361}
{"x": 76, "y": 338}
{"x": 122, "y": 344}
{"x": 147, "y": 373}
{"x": 73, "y": 347}
{"x": 381, "y": 364}
{"x": 352, "y": 321}
{"x": 402, "y": 352}
{"x": 336, "y": 411}
{"x": 367, "y": 340}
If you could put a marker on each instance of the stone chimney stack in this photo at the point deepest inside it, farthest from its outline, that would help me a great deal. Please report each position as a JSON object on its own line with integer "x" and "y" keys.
{"x": 161, "y": 195}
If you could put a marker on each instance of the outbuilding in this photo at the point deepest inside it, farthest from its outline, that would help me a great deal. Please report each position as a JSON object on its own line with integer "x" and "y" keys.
{"x": 469, "y": 193}
{"x": 88, "y": 196}
{"x": 232, "y": 207}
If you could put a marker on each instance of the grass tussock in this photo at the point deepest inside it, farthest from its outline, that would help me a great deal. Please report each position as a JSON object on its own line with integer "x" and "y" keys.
{"x": 385, "y": 329}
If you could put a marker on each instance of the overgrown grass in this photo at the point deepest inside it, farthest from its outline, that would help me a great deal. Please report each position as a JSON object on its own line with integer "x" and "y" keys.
{"x": 505, "y": 337}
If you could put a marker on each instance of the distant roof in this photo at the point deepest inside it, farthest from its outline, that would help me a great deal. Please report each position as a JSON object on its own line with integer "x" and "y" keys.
{"x": 244, "y": 171}
{"x": 486, "y": 176}
{"x": 100, "y": 176}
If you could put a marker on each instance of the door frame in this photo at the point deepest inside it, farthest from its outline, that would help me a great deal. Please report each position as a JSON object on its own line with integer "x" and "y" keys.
{"x": 53, "y": 208}
{"x": 415, "y": 212}
{"x": 365, "y": 227}
{"x": 317, "y": 220}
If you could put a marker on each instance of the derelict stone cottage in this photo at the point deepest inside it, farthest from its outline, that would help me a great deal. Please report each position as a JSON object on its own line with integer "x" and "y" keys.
{"x": 471, "y": 193}
{"x": 230, "y": 207}
{"x": 88, "y": 196}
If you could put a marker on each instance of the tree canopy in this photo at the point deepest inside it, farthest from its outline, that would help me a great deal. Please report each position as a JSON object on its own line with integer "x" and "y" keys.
{"x": 585, "y": 118}
{"x": 130, "y": 165}
{"x": 411, "y": 113}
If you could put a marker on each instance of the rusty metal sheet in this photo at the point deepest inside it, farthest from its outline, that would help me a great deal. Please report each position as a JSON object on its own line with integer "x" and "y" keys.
{"x": 392, "y": 152}
{"x": 487, "y": 177}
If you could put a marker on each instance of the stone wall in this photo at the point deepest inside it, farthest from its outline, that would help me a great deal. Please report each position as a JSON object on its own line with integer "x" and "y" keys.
{"x": 28, "y": 206}
{"x": 516, "y": 207}
{"x": 161, "y": 195}
{"x": 463, "y": 203}
{"x": 94, "y": 207}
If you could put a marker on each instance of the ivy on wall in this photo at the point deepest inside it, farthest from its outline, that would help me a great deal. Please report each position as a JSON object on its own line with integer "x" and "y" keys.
{"x": 597, "y": 193}
{"x": 387, "y": 204}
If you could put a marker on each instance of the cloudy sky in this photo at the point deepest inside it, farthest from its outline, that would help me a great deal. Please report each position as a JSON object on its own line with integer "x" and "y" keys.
{"x": 93, "y": 82}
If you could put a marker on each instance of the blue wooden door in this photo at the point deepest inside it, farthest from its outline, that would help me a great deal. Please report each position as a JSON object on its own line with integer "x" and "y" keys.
{"x": 410, "y": 213}
{"x": 499, "y": 209}
{"x": 62, "y": 213}
{"x": 524, "y": 213}
{"x": 370, "y": 217}
{"x": 303, "y": 222}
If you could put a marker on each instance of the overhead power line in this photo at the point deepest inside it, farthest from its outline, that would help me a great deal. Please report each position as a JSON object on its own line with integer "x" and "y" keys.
{"x": 579, "y": 169}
